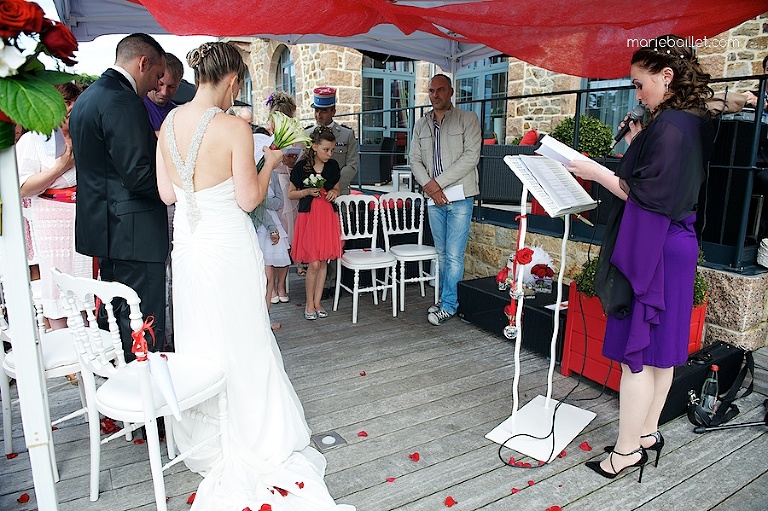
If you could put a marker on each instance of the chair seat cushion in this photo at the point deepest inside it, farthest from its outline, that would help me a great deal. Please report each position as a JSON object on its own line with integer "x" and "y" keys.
{"x": 414, "y": 251}
{"x": 367, "y": 260}
{"x": 195, "y": 379}
{"x": 58, "y": 349}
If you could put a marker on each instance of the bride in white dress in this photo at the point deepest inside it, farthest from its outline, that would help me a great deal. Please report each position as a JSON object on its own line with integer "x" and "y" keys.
{"x": 205, "y": 165}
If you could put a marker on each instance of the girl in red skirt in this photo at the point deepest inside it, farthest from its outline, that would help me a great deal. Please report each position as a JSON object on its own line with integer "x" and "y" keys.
{"x": 317, "y": 234}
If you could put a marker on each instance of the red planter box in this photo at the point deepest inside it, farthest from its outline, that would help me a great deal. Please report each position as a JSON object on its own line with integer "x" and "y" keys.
{"x": 585, "y": 324}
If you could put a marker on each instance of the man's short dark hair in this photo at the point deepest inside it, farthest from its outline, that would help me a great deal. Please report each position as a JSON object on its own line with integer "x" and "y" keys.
{"x": 137, "y": 45}
{"x": 447, "y": 79}
{"x": 174, "y": 65}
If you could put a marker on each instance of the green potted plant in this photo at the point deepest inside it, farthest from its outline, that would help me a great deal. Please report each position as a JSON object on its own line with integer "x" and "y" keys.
{"x": 595, "y": 137}
{"x": 585, "y": 328}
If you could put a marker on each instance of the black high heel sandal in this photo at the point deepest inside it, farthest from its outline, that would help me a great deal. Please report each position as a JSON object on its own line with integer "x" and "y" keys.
{"x": 595, "y": 465}
{"x": 657, "y": 446}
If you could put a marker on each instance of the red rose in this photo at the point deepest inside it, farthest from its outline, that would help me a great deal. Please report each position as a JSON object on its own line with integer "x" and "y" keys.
{"x": 19, "y": 16}
{"x": 524, "y": 256}
{"x": 59, "y": 41}
{"x": 502, "y": 275}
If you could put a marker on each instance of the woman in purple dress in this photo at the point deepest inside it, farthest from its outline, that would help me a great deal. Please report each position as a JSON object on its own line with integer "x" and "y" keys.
{"x": 648, "y": 259}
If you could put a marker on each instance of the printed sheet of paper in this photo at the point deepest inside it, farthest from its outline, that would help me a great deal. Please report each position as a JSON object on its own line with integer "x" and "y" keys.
{"x": 556, "y": 150}
{"x": 551, "y": 184}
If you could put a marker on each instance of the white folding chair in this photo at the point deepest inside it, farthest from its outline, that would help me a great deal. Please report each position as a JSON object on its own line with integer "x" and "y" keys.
{"x": 59, "y": 359}
{"x": 403, "y": 214}
{"x": 130, "y": 394}
{"x": 359, "y": 217}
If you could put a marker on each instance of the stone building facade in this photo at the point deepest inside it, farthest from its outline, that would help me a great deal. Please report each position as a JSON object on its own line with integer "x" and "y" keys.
{"x": 738, "y": 310}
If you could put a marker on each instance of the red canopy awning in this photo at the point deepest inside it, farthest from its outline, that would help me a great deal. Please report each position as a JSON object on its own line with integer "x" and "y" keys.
{"x": 578, "y": 37}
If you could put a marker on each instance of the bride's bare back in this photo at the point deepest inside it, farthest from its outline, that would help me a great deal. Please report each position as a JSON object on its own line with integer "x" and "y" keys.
{"x": 226, "y": 150}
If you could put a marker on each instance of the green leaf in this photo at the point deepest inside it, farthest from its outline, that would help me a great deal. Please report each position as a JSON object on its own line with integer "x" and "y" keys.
{"x": 54, "y": 77}
{"x": 6, "y": 134}
{"x": 32, "y": 102}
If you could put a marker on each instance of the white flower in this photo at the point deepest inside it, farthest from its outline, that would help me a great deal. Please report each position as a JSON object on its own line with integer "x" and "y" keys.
{"x": 11, "y": 59}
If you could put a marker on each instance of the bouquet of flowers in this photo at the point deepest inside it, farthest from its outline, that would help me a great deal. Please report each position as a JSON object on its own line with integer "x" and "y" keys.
{"x": 287, "y": 131}
{"x": 27, "y": 93}
{"x": 314, "y": 181}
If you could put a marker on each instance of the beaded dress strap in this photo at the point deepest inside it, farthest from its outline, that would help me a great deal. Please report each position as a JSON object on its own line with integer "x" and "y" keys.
{"x": 186, "y": 168}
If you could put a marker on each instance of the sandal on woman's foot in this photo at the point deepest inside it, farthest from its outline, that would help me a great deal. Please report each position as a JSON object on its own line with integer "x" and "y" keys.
{"x": 310, "y": 316}
{"x": 283, "y": 299}
{"x": 321, "y": 313}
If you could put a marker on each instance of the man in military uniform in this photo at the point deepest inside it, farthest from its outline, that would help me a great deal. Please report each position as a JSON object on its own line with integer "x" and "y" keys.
{"x": 345, "y": 152}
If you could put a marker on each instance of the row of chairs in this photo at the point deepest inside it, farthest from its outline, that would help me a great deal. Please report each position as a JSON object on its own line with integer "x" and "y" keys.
{"x": 397, "y": 214}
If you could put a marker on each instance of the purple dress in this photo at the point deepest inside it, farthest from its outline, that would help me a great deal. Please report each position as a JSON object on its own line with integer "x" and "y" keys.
{"x": 655, "y": 248}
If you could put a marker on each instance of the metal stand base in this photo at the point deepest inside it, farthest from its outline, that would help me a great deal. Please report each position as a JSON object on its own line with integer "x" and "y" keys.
{"x": 535, "y": 419}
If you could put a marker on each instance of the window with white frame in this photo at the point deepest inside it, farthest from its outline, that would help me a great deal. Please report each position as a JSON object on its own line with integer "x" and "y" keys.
{"x": 285, "y": 73}
{"x": 485, "y": 79}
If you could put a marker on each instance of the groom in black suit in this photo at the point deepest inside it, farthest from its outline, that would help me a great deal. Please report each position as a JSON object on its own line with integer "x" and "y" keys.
{"x": 120, "y": 219}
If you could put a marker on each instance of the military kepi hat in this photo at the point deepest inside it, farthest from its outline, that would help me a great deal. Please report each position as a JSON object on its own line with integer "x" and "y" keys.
{"x": 325, "y": 97}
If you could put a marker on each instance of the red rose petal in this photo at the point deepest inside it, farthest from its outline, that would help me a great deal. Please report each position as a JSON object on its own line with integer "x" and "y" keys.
{"x": 526, "y": 465}
{"x": 390, "y": 479}
{"x": 54, "y": 428}
{"x": 554, "y": 508}
{"x": 139, "y": 441}
{"x": 531, "y": 483}
{"x": 191, "y": 498}
{"x": 282, "y": 492}
{"x": 362, "y": 373}
{"x": 584, "y": 446}
{"x": 541, "y": 463}
{"x": 264, "y": 507}
{"x": 511, "y": 460}
{"x": 415, "y": 456}
{"x": 562, "y": 454}
{"x": 248, "y": 509}
{"x": 449, "y": 501}
{"x": 300, "y": 485}
{"x": 23, "y": 498}
{"x": 362, "y": 434}
{"x": 12, "y": 455}
{"x": 514, "y": 490}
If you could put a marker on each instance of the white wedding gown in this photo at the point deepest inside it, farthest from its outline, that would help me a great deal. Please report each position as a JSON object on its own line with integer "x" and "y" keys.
{"x": 220, "y": 313}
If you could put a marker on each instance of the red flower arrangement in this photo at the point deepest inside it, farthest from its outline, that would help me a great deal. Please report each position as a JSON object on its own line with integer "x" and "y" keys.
{"x": 542, "y": 271}
{"x": 524, "y": 256}
{"x": 27, "y": 93}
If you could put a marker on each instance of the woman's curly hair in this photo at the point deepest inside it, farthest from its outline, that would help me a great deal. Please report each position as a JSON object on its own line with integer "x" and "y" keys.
{"x": 319, "y": 134}
{"x": 281, "y": 101}
{"x": 689, "y": 86}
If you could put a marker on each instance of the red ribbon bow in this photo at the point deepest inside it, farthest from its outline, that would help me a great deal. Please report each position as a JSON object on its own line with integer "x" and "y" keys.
{"x": 139, "y": 347}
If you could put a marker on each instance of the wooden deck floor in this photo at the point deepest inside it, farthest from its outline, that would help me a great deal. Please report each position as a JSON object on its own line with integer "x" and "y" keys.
{"x": 435, "y": 391}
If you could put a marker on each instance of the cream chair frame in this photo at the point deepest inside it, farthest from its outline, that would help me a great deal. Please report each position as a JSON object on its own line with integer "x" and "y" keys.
{"x": 397, "y": 221}
{"x": 130, "y": 394}
{"x": 359, "y": 217}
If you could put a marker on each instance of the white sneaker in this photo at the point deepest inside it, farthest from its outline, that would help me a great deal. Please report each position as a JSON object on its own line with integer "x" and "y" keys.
{"x": 439, "y": 317}
{"x": 434, "y": 308}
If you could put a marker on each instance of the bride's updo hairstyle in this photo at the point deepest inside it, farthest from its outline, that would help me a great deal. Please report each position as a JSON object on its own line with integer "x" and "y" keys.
{"x": 689, "y": 87}
{"x": 214, "y": 61}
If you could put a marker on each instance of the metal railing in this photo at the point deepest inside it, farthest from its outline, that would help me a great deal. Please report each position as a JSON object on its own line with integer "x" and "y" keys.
{"x": 719, "y": 249}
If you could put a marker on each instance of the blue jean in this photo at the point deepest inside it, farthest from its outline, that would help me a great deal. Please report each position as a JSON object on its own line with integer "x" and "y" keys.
{"x": 450, "y": 230}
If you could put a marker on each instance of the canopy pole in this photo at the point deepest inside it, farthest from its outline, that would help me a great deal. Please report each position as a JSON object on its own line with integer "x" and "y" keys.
{"x": 30, "y": 381}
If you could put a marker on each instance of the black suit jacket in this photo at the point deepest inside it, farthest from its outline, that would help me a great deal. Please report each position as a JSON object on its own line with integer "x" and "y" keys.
{"x": 119, "y": 211}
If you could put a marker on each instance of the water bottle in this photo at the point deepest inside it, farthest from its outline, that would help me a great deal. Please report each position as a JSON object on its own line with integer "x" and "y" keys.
{"x": 710, "y": 390}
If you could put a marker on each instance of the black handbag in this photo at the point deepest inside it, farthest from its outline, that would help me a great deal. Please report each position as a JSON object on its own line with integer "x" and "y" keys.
{"x": 727, "y": 409}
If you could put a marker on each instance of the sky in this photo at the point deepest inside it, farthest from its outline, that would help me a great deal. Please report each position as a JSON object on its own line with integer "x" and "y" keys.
{"x": 96, "y": 56}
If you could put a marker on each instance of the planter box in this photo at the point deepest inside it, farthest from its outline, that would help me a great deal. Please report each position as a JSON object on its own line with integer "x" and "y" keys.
{"x": 590, "y": 331}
